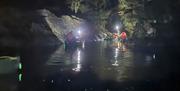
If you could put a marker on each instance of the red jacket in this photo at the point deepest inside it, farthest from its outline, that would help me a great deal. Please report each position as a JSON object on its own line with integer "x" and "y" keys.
{"x": 123, "y": 35}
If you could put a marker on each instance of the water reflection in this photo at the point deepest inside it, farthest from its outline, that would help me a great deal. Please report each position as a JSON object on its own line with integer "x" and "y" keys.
{"x": 77, "y": 56}
{"x": 83, "y": 44}
{"x": 116, "y": 57}
{"x": 101, "y": 58}
{"x": 120, "y": 63}
{"x": 93, "y": 66}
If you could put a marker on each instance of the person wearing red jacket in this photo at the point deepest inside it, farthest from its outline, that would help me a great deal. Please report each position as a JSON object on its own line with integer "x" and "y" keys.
{"x": 123, "y": 36}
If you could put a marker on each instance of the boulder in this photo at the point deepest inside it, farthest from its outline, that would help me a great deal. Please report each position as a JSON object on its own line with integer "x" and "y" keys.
{"x": 60, "y": 27}
{"x": 38, "y": 27}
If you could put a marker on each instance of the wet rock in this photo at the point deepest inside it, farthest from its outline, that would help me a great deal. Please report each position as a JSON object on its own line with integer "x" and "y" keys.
{"x": 37, "y": 27}
{"x": 101, "y": 36}
{"x": 60, "y": 26}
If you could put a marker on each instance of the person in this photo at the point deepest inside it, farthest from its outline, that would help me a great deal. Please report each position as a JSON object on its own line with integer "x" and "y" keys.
{"x": 115, "y": 35}
{"x": 123, "y": 37}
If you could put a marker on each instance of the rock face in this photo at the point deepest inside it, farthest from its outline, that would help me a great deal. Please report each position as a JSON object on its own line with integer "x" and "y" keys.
{"x": 60, "y": 27}
{"x": 19, "y": 28}
{"x": 101, "y": 36}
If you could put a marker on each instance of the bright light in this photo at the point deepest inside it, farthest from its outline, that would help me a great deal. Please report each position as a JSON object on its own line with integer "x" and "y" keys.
{"x": 20, "y": 77}
{"x": 79, "y": 32}
{"x": 116, "y": 63}
{"x": 78, "y": 68}
{"x": 117, "y": 27}
{"x": 20, "y": 66}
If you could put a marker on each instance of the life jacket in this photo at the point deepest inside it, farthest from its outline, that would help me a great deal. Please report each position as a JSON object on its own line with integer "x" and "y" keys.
{"x": 123, "y": 35}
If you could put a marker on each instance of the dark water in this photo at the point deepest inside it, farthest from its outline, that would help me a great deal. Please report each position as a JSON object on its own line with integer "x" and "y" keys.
{"x": 98, "y": 66}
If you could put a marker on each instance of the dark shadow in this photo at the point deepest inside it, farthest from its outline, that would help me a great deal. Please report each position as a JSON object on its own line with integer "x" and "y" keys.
{"x": 33, "y": 58}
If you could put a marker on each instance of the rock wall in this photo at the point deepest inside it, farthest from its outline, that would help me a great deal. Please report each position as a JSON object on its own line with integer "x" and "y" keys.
{"x": 60, "y": 27}
{"x": 20, "y": 28}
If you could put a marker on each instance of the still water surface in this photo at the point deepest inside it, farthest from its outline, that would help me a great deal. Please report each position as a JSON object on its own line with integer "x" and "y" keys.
{"x": 97, "y": 66}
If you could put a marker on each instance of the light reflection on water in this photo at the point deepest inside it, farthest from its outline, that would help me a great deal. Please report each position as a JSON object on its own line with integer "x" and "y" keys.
{"x": 119, "y": 64}
{"x": 103, "y": 58}
{"x": 107, "y": 60}
{"x": 77, "y": 58}
{"x": 99, "y": 61}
